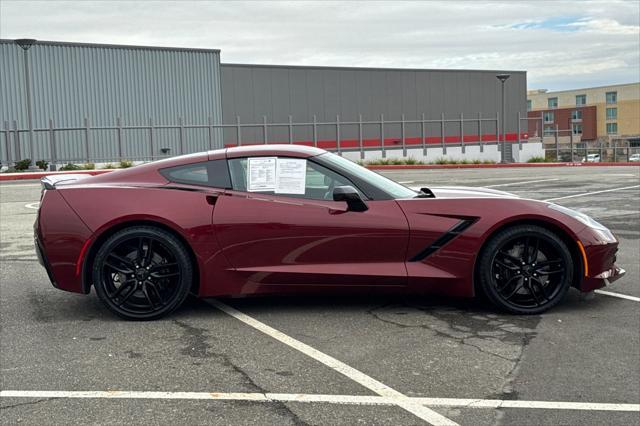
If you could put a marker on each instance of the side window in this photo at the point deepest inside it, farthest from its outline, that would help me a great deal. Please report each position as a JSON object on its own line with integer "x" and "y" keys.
{"x": 209, "y": 173}
{"x": 319, "y": 181}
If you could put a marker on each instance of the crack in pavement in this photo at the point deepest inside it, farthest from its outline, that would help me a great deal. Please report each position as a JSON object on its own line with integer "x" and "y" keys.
{"x": 504, "y": 338}
{"x": 20, "y": 404}
{"x": 198, "y": 347}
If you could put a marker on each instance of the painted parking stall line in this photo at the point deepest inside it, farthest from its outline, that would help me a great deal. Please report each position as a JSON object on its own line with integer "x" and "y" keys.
{"x": 584, "y": 194}
{"x": 328, "y": 399}
{"x": 520, "y": 183}
{"x": 618, "y": 295}
{"x": 368, "y": 382}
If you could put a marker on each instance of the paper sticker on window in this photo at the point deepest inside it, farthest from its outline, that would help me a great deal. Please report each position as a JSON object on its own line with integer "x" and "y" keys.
{"x": 261, "y": 174}
{"x": 291, "y": 175}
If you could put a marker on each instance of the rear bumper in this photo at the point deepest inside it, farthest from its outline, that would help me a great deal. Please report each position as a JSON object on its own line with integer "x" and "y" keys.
{"x": 42, "y": 257}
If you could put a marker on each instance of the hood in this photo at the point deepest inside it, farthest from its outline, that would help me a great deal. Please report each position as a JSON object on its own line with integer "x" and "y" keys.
{"x": 469, "y": 192}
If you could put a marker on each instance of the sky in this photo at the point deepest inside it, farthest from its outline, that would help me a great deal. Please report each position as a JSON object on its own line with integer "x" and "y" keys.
{"x": 561, "y": 44}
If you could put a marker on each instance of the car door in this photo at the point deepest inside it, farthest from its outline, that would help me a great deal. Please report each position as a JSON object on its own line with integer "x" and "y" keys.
{"x": 307, "y": 239}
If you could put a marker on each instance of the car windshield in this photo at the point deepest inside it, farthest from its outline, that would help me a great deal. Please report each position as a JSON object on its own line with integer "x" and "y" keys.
{"x": 387, "y": 185}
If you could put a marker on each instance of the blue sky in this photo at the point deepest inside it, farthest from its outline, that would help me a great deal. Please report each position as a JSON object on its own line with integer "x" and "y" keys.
{"x": 562, "y": 44}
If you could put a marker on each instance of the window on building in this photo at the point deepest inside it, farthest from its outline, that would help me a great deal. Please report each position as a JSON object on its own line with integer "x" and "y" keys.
{"x": 528, "y": 104}
{"x": 576, "y": 129}
{"x": 549, "y": 117}
{"x": 552, "y": 102}
{"x": 612, "y": 128}
{"x": 576, "y": 115}
{"x": 581, "y": 100}
{"x": 549, "y": 130}
{"x": 612, "y": 97}
{"x": 612, "y": 113}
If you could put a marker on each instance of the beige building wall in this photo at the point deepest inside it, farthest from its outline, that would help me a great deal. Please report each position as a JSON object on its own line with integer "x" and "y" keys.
{"x": 628, "y": 105}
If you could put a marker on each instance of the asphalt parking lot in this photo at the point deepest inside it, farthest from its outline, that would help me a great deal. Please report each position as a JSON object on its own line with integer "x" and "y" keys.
{"x": 330, "y": 360}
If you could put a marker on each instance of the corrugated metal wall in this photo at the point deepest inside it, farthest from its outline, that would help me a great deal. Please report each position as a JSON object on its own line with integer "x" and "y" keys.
{"x": 254, "y": 91}
{"x": 72, "y": 81}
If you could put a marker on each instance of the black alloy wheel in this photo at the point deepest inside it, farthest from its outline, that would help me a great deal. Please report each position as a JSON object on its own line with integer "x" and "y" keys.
{"x": 142, "y": 273}
{"x": 525, "y": 269}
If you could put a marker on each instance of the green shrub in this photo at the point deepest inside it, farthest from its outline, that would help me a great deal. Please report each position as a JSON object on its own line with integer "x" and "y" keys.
{"x": 412, "y": 160}
{"x": 23, "y": 164}
{"x": 70, "y": 167}
{"x": 537, "y": 160}
{"x": 44, "y": 165}
{"x": 125, "y": 164}
{"x": 89, "y": 166}
{"x": 109, "y": 166}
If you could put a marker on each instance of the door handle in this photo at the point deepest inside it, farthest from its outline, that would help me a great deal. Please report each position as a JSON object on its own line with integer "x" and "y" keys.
{"x": 211, "y": 199}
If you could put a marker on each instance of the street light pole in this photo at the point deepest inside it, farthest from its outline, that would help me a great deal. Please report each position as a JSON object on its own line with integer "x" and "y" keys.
{"x": 503, "y": 78}
{"x": 25, "y": 44}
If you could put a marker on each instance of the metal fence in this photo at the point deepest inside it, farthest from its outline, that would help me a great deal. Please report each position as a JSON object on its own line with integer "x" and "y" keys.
{"x": 86, "y": 143}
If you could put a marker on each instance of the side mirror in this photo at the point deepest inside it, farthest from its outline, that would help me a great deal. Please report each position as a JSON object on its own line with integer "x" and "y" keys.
{"x": 351, "y": 196}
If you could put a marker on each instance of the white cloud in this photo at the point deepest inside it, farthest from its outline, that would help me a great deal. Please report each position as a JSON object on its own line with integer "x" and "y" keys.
{"x": 561, "y": 45}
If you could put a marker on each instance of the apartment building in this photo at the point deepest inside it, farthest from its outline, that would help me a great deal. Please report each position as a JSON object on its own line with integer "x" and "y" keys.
{"x": 603, "y": 114}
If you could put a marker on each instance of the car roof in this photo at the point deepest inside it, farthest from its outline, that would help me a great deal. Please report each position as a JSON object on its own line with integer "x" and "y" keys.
{"x": 291, "y": 150}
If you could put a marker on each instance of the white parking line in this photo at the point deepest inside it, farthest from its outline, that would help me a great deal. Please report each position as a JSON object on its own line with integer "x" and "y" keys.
{"x": 21, "y": 185}
{"x": 520, "y": 183}
{"x": 593, "y": 193}
{"x": 620, "y": 295}
{"x": 368, "y": 382}
{"x": 407, "y": 181}
{"x": 330, "y": 399}
{"x": 34, "y": 206}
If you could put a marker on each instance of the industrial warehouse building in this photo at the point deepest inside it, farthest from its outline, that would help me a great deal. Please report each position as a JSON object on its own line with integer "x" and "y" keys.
{"x": 98, "y": 103}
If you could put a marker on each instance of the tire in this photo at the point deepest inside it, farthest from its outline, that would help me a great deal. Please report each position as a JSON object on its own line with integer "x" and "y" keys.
{"x": 142, "y": 273}
{"x": 525, "y": 269}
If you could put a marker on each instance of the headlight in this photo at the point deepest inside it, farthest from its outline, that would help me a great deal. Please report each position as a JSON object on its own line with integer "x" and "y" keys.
{"x": 590, "y": 222}
{"x": 587, "y": 220}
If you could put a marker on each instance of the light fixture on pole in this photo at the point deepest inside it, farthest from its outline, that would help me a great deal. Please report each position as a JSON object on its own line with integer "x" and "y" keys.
{"x": 503, "y": 78}
{"x": 25, "y": 44}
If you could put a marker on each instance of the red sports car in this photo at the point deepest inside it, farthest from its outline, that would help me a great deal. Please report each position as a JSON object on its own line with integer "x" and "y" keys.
{"x": 286, "y": 218}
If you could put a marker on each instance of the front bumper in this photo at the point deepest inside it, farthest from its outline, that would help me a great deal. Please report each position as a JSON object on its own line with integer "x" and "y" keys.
{"x": 611, "y": 275}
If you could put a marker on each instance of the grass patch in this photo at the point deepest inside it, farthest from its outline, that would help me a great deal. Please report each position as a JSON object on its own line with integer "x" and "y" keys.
{"x": 538, "y": 159}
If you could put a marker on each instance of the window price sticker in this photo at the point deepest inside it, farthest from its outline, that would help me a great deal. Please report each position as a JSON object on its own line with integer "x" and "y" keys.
{"x": 291, "y": 175}
{"x": 280, "y": 175}
{"x": 261, "y": 174}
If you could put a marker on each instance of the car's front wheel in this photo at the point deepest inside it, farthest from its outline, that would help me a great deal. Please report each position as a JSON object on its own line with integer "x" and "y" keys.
{"x": 525, "y": 269}
{"x": 142, "y": 273}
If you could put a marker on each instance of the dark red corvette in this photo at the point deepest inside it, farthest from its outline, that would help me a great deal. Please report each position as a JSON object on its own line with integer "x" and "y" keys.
{"x": 281, "y": 218}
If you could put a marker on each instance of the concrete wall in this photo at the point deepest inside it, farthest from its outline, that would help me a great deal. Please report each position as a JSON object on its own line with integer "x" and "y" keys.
{"x": 489, "y": 152}
{"x": 277, "y": 92}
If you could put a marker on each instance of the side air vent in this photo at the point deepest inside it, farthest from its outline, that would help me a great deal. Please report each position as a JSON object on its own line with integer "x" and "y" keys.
{"x": 442, "y": 240}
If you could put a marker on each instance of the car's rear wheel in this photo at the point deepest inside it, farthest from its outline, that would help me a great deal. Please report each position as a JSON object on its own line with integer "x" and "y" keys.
{"x": 142, "y": 273}
{"x": 525, "y": 269}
